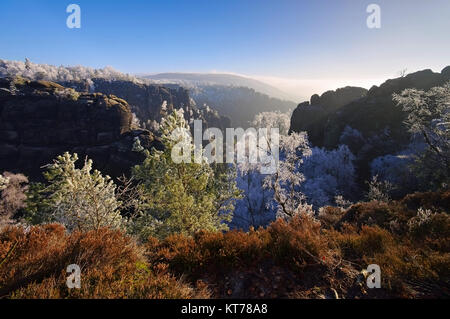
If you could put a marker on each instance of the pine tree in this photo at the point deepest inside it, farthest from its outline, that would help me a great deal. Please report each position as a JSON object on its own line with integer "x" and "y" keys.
{"x": 82, "y": 199}
{"x": 182, "y": 197}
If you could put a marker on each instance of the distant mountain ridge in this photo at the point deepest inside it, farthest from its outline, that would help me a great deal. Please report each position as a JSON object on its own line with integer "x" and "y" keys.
{"x": 238, "y": 97}
{"x": 240, "y": 104}
{"x": 223, "y": 79}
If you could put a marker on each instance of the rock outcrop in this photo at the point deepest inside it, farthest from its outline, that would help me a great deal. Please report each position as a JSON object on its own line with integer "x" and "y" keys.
{"x": 145, "y": 100}
{"x": 151, "y": 102}
{"x": 40, "y": 120}
{"x": 378, "y": 122}
{"x": 309, "y": 115}
{"x": 377, "y": 113}
{"x": 369, "y": 112}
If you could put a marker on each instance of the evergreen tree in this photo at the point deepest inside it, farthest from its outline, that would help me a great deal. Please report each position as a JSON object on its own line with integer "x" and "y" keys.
{"x": 182, "y": 196}
{"x": 82, "y": 199}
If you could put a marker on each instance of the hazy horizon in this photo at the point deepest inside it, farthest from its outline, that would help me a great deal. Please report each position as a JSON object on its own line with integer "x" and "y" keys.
{"x": 300, "y": 89}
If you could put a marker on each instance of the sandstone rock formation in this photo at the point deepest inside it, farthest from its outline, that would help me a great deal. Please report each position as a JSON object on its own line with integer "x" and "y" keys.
{"x": 369, "y": 112}
{"x": 145, "y": 100}
{"x": 151, "y": 102}
{"x": 309, "y": 115}
{"x": 40, "y": 120}
{"x": 374, "y": 116}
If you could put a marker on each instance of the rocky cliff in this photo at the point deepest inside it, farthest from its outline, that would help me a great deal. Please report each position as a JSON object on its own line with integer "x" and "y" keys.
{"x": 308, "y": 116}
{"x": 375, "y": 123}
{"x": 145, "y": 100}
{"x": 369, "y": 112}
{"x": 40, "y": 120}
{"x": 151, "y": 102}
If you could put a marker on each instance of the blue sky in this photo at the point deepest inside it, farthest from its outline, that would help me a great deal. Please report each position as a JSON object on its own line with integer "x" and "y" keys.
{"x": 283, "y": 42}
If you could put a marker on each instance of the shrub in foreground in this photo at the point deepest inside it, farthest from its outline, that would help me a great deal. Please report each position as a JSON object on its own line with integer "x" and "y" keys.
{"x": 296, "y": 258}
{"x": 112, "y": 266}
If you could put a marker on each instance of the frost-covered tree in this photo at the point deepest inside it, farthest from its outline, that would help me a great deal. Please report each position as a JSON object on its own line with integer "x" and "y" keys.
{"x": 379, "y": 190}
{"x": 152, "y": 125}
{"x": 253, "y": 210}
{"x": 396, "y": 169}
{"x": 4, "y": 219}
{"x": 181, "y": 197}
{"x": 135, "y": 122}
{"x": 428, "y": 115}
{"x": 82, "y": 199}
{"x": 269, "y": 120}
{"x": 137, "y": 146}
{"x": 305, "y": 177}
{"x": 3, "y": 182}
{"x": 352, "y": 138}
{"x": 13, "y": 188}
{"x": 287, "y": 180}
{"x": 316, "y": 176}
{"x": 328, "y": 174}
{"x": 47, "y": 72}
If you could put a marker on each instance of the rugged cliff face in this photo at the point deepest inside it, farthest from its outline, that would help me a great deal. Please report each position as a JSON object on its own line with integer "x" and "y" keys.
{"x": 371, "y": 113}
{"x": 146, "y": 101}
{"x": 151, "y": 102}
{"x": 377, "y": 112}
{"x": 40, "y": 120}
{"x": 371, "y": 125}
{"x": 309, "y": 116}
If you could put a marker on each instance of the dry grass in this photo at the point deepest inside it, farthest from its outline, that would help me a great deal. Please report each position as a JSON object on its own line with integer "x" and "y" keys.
{"x": 112, "y": 266}
{"x": 300, "y": 258}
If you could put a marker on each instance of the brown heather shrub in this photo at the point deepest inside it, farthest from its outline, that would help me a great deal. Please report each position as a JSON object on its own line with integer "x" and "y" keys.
{"x": 104, "y": 283}
{"x": 370, "y": 213}
{"x": 299, "y": 258}
{"x": 13, "y": 197}
{"x": 438, "y": 201}
{"x": 329, "y": 216}
{"x": 406, "y": 269}
{"x": 112, "y": 266}
{"x": 299, "y": 241}
{"x": 356, "y": 244}
{"x": 307, "y": 259}
{"x": 217, "y": 251}
{"x": 433, "y": 233}
{"x": 398, "y": 213}
{"x": 407, "y": 266}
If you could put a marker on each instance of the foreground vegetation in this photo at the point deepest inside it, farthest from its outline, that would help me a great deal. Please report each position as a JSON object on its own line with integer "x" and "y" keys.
{"x": 301, "y": 258}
